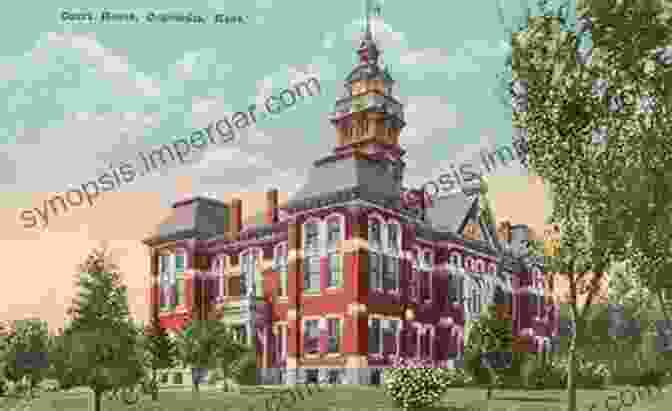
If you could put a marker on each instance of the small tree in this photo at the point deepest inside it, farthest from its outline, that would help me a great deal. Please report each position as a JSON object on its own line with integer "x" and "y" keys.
{"x": 162, "y": 353}
{"x": 490, "y": 343}
{"x": 26, "y": 352}
{"x": 205, "y": 343}
{"x": 101, "y": 342}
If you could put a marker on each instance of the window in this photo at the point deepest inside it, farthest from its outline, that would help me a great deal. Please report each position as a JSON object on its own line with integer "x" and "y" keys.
{"x": 281, "y": 265}
{"x": 375, "y": 271}
{"x": 475, "y": 297}
{"x": 427, "y": 260}
{"x": 414, "y": 284}
{"x": 179, "y": 262}
{"x": 333, "y": 233}
{"x": 312, "y": 274}
{"x": 281, "y": 342}
{"x": 311, "y": 337}
{"x": 334, "y": 377}
{"x": 334, "y": 335}
{"x": 417, "y": 259}
{"x": 456, "y": 259}
{"x": 375, "y": 346}
{"x": 312, "y": 376}
{"x": 248, "y": 269}
{"x": 375, "y": 238}
{"x": 179, "y": 290}
{"x": 393, "y": 237}
{"x": 312, "y": 237}
{"x": 391, "y": 273}
{"x": 335, "y": 270}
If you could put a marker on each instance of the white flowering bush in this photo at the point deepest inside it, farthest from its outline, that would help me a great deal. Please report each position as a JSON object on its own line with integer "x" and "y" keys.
{"x": 414, "y": 384}
{"x": 590, "y": 374}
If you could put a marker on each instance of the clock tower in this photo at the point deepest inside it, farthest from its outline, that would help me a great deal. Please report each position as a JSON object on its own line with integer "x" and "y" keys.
{"x": 368, "y": 119}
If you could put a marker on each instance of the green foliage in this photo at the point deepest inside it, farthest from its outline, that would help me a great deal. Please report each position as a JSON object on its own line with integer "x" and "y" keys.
{"x": 162, "y": 351}
{"x": 488, "y": 334}
{"x": 101, "y": 346}
{"x": 28, "y": 338}
{"x": 208, "y": 344}
{"x": 244, "y": 370}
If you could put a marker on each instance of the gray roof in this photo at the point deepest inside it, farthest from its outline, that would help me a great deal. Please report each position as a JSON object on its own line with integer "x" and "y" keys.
{"x": 346, "y": 174}
{"x": 193, "y": 218}
{"x": 450, "y": 212}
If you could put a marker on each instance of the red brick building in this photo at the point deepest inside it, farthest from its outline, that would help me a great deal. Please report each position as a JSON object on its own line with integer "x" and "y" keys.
{"x": 354, "y": 269}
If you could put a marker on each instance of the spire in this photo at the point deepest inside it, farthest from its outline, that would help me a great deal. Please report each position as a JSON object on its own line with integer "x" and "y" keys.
{"x": 368, "y": 52}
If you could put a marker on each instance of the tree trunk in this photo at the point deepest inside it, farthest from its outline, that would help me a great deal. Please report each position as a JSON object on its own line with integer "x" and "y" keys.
{"x": 97, "y": 399}
{"x": 155, "y": 387}
{"x": 571, "y": 375}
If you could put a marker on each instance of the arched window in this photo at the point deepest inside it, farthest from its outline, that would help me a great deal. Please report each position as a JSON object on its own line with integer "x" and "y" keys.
{"x": 280, "y": 263}
{"x": 312, "y": 249}
{"x": 335, "y": 227}
{"x": 311, "y": 236}
{"x": 455, "y": 259}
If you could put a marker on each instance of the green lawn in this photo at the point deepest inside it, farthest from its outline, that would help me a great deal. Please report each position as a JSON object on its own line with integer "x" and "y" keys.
{"x": 338, "y": 399}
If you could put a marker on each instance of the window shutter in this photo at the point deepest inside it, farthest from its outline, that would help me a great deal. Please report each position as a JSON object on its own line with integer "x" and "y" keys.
{"x": 323, "y": 334}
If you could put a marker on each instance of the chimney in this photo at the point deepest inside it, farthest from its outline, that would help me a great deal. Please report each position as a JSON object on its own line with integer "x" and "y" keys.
{"x": 236, "y": 216}
{"x": 272, "y": 206}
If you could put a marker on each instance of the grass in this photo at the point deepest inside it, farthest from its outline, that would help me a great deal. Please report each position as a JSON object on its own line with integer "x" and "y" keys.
{"x": 342, "y": 398}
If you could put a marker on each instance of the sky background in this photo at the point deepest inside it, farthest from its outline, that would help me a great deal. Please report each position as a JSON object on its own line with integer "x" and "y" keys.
{"x": 81, "y": 97}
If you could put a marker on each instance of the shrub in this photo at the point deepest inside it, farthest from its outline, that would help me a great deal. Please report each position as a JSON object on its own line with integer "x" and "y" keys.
{"x": 414, "y": 384}
{"x": 551, "y": 375}
{"x": 589, "y": 374}
{"x": 244, "y": 370}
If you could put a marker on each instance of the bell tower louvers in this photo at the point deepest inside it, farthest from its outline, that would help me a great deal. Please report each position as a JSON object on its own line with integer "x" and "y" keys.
{"x": 368, "y": 118}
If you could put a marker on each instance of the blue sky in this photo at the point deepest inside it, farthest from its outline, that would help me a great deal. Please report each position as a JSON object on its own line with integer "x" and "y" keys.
{"x": 83, "y": 96}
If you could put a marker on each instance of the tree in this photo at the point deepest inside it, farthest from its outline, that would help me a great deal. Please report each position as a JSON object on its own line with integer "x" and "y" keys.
{"x": 205, "y": 344}
{"x": 101, "y": 342}
{"x": 596, "y": 126}
{"x": 162, "y": 353}
{"x": 489, "y": 348}
{"x": 27, "y": 351}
